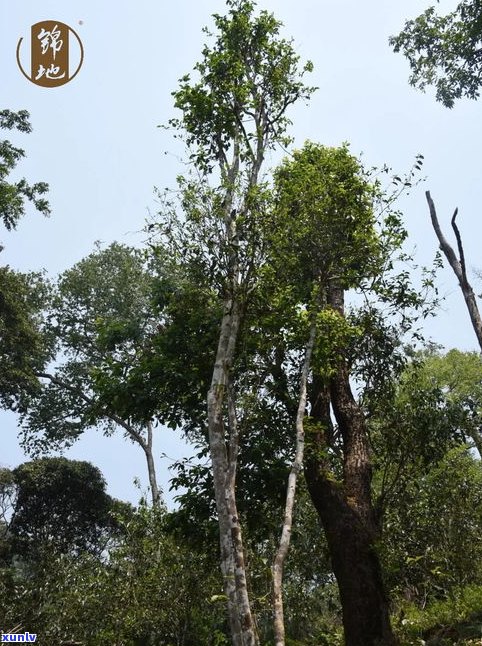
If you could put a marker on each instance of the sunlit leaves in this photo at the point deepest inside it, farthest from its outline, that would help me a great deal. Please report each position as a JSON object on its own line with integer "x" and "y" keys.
{"x": 246, "y": 80}
{"x": 324, "y": 216}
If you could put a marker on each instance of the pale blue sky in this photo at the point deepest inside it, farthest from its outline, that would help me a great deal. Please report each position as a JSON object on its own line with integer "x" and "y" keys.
{"x": 96, "y": 143}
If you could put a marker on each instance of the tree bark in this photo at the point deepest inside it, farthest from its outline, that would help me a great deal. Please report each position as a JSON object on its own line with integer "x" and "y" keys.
{"x": 151, "y": 468}
{"x": 345, "y": 508}
{"x": 243, "y": 630}
{"x": 284, "y": 544}
{"x": 458, "y": 267}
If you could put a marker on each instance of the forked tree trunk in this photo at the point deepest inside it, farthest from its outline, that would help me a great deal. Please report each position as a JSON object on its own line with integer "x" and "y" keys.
{"x": 345, "y": 508}
{"x": 284, "y": 544}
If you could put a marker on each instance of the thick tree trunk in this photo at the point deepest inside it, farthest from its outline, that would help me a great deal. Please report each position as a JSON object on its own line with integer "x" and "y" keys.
{"x": 352, "y": 531}
{"x": 354, "y": 560}
{"x": 345, "y": 508}
{"x": 284, "y": 544}
{"x": 243, "y": 630}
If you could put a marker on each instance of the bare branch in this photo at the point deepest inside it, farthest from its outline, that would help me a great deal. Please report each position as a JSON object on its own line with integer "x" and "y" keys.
{"x": 458, "y": 267}
{"x": 459, "y": 245}
{"x": 444, "y": 244}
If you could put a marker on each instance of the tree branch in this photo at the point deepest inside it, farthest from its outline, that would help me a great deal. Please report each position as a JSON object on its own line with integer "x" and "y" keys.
{"x": 458, "y": 267}
{"x": 444, "y": 244}
{"x": 459, "y": 245}
{"x": 135, "y": 435}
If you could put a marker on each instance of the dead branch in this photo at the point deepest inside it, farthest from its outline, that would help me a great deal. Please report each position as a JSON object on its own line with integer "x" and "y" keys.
{"x": 458, "y": 266}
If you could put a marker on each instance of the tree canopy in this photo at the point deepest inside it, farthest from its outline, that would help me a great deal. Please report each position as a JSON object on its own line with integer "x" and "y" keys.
{"x": 444, "y": 51}
{"x": 272, "y": 318}
{"x": 57, "y": 505}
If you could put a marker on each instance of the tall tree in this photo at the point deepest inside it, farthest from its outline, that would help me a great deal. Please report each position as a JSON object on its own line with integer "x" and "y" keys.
{"x": 327, "y": 219}
{"x": 231, "y": 116}
{"x": 322, "y": 227}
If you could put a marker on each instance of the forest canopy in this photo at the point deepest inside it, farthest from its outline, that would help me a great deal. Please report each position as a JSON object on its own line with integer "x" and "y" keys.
{"x": 273, "y": 320}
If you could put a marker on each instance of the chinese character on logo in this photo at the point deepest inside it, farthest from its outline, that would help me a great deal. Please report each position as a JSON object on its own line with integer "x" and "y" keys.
{"x": 51, "y": 73}
{"x": 50, "y": 39}
{"x": 56, "y": 54}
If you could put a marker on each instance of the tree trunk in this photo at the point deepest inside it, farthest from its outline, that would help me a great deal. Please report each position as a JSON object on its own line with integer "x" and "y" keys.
{"x": 354, "y": 560}
{"x": 243, "y": 630}
{"x": 354, "y": 530}
{"x": 345, "y": 508}
{"x": 151, "y": 468}
{"x": 284, "y": 544}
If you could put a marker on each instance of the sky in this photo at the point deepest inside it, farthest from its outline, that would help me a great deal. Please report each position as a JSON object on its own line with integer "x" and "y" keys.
{"x": 96, "y": 141}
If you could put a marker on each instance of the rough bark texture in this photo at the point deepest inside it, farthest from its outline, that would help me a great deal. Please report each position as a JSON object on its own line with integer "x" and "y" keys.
{"x": 284, "y": 544}
{"x": 345, "y": 508}
{"x": 458, "y": 267}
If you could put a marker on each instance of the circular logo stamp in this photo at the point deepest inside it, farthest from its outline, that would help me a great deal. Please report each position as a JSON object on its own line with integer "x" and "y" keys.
{"x": 56, "y": 54}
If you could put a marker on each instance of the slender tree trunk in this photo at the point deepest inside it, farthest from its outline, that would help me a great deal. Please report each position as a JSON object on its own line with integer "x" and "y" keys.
{"x": 243, "y": 630}
{"x": 345, "y": 508}
{"x": 284, "y": 544}
{"x": 151, "y": 468}
{"x": 458, "y": 267}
